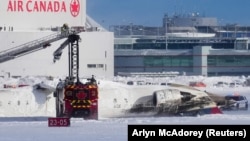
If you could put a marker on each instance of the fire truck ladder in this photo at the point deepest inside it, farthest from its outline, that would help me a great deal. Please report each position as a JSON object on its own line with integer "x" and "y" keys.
{"x": 33, "y": 46}
{"x": 74, "y": 56}
{"x": 73, "y": 52}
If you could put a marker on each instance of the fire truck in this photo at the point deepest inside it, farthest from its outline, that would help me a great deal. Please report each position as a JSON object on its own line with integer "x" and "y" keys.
{"x": 73, "y": 98}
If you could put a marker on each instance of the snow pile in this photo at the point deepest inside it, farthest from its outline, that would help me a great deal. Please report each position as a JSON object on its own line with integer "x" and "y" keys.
{"x": 28, "y": 101}
{"x": 33, "y": 124}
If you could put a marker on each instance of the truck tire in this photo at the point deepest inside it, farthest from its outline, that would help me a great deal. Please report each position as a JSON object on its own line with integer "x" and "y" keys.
{"x": 59, "y": 110}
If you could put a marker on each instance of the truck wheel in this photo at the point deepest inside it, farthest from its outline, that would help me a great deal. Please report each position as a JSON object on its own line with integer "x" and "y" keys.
{"x": 58, "y": 108}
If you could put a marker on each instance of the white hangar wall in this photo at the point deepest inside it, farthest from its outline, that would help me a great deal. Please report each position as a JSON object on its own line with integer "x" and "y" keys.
{"x": 96, "y": 49}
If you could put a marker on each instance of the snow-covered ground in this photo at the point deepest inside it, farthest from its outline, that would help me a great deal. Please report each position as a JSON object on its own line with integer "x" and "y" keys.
{"x": 28, "y": 111}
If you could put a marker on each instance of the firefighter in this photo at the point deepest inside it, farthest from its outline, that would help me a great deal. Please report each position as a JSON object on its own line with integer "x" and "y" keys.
{"x": 92, "y": 80}
{"x": 65, "y": 29}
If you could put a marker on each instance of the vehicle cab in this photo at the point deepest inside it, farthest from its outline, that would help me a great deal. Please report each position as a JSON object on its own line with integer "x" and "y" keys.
{"x": 239, "y": 102}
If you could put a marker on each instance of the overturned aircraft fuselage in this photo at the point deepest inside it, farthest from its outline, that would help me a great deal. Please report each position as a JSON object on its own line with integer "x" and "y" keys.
{"x": 171, "y": 100}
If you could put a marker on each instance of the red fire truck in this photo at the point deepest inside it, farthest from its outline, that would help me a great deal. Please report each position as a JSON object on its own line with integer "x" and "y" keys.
{"x": 74, "y": 99}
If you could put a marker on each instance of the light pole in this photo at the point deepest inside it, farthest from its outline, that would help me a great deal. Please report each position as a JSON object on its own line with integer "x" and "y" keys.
{"x": 220, "y": 28}
{"x": 131, "y": 29}
{"x": 166, "y": 34}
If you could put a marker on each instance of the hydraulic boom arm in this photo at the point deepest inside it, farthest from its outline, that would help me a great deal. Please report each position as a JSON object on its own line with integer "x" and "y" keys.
{"x": 73, "y": 49}
{"x": 58, "y": 53}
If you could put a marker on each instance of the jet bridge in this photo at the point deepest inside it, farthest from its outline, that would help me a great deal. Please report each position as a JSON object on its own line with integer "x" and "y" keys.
{"x": 36, "y": 45}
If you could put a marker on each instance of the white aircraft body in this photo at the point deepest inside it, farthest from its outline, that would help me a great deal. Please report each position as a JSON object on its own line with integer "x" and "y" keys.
{"x": 115, "y": 100}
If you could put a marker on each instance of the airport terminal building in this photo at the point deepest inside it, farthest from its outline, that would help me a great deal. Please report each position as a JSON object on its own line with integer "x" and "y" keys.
{"x": 185, "y": 44}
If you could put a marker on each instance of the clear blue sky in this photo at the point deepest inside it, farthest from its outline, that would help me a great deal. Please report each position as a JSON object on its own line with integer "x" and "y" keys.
{"x": 151, "y": 12}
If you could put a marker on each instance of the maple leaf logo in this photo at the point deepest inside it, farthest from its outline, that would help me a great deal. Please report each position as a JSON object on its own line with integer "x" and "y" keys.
{"x": 75, "y": 8}
{"x": 81, "y": 95}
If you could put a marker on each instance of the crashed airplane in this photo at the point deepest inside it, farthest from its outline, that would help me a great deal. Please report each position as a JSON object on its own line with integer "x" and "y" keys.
{"x": 116, "y": 100}
{"x": 121, "y": 100}
{"x": 170, "y": 100}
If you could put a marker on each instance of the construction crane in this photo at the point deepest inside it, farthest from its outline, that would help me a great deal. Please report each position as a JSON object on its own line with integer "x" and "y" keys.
{"x": 74, "y": 98}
